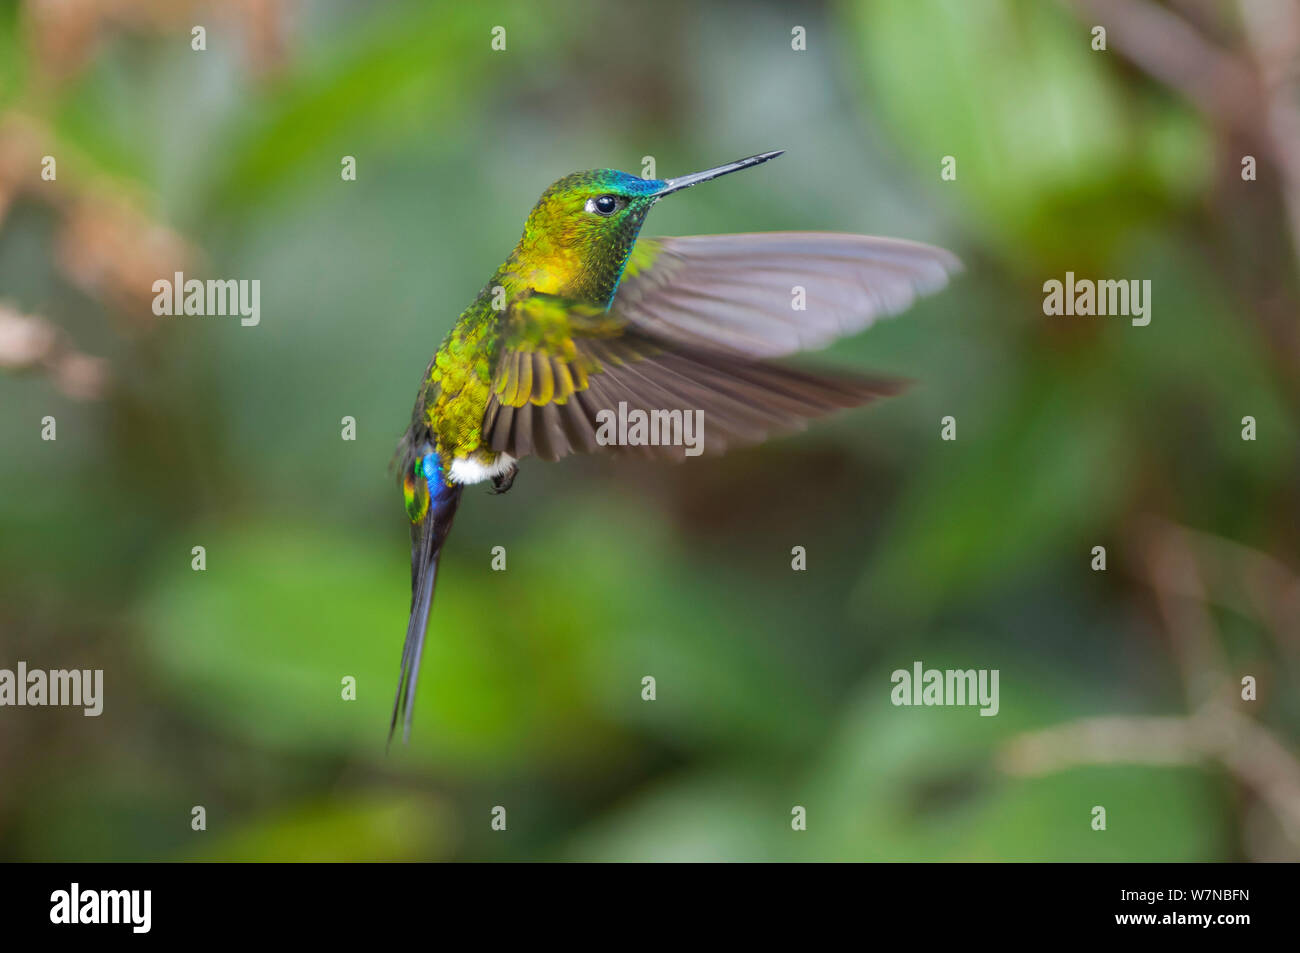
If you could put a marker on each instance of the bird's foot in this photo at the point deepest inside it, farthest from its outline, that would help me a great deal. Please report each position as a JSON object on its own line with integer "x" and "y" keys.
{"x": 503, "y": 481}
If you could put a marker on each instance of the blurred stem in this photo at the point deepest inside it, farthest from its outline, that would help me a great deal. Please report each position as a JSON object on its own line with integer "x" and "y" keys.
{"x": 1252, "y": 92}
{"x": 1175, "y": 560}
{"x": 1216, "y": 733}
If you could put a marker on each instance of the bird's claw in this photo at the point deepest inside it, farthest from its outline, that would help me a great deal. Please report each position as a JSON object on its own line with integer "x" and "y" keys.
{"x": 503, "y": 481}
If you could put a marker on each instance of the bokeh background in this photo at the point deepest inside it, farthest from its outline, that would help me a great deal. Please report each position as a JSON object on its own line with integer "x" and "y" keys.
{"x": 1119, "y": 688}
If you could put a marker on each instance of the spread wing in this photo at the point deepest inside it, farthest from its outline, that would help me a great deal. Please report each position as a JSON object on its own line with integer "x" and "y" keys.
{"x": 689, "y": 329}
{"x": 738, "y": 293}
{"x": 564, "y": 365}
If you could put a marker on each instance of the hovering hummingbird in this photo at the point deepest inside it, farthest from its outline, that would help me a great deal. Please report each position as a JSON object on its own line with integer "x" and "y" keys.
{"x": 582, "y": 318}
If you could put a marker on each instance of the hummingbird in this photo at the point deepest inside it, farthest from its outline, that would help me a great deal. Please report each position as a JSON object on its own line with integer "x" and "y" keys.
{"x": 583, "y": 318}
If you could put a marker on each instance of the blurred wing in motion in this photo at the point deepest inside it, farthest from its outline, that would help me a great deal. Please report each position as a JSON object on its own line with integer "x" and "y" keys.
{"x": 563, "y": 362}
{"x": 736, "y": 293}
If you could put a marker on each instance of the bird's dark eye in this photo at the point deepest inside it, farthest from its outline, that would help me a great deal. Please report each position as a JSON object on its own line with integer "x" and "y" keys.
{"x": 604, "y": 204}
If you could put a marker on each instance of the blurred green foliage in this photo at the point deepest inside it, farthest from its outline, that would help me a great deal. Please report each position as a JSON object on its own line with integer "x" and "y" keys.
{"x": 223, "y": 687}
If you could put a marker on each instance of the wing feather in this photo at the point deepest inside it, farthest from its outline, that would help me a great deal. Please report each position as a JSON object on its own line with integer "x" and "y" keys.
{"x": 737, "y": 293}
{"x": 691, "y": 328}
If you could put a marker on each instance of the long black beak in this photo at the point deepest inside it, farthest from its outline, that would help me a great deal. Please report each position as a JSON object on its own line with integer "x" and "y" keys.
{"x": 695, "y": 178}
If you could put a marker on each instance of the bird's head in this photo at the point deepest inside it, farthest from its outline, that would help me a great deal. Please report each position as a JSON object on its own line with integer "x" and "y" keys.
{"x": 581, "y": 231}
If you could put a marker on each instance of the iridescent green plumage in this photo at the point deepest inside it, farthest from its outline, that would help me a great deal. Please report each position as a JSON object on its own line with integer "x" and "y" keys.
{"x": 459, "y": 379}
{"x": 582, "y": 319}
{"x": 561, "y": 253}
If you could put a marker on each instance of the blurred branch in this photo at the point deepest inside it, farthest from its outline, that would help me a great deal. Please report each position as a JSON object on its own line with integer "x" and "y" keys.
{"x": 1216, "y": 733}
{"x": 28, "y": 342}
{"x": 1254, "y": 91}
{"x": 65, "y": 34}
{"x": 1175, "y": 576}
{"x": 1273, "y": 31}
{"x": 1117, "y": 740}
{"x": 1189, "y": 572}
{"x": 107, "y": 246}
{"x": 1173, "y": 51}
{"x": 113, "y": 251}
{"x": 1236, "y": 577}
